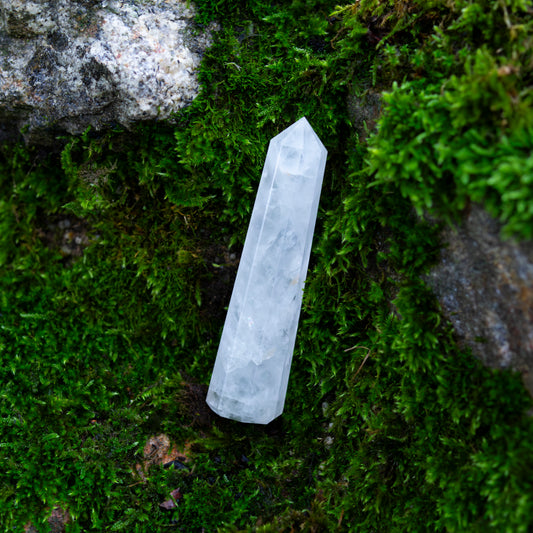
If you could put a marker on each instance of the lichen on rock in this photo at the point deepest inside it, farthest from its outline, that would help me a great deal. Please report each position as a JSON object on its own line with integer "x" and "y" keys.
{"x": 68, "y": 65}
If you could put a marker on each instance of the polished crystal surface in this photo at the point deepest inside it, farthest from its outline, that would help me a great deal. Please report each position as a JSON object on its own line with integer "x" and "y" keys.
{"x": 251, "y": 372}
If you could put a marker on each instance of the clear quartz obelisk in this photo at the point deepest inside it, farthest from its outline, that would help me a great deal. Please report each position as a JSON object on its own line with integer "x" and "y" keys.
{"x": 251, "y": 373}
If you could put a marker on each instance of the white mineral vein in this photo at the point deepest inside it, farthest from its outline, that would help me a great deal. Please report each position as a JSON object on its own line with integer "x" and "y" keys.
{"x": 251, "y": 372}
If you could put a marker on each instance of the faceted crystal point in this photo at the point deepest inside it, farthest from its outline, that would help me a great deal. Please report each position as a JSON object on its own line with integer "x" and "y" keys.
{"x": 251, "y": 372}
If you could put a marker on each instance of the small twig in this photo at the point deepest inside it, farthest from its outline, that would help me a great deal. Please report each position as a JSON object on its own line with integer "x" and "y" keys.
{"x": 133, "y": 484}
{"x": 368, "y": 352}
{"x": 506, "y": 15}
{"x": 355, "y": 347}
{"x": 340, "y": 519}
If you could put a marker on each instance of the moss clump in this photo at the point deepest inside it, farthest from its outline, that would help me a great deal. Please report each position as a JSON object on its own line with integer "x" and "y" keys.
{"x": 388, "y": 425}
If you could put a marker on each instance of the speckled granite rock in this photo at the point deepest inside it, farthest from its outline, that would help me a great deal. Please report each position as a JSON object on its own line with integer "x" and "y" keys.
{"x": 485, "y": 287}
{"x": 68, "y": 64}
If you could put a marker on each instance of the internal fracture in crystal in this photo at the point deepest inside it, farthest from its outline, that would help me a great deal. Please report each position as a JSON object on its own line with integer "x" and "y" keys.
{"x": 251, "y": 372}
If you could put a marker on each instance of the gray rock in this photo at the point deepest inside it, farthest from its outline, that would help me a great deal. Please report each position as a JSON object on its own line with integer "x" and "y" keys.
{"x": 485, "y": 287}
{"x": 364, "y": 110}
{"x": 69, "y": 64}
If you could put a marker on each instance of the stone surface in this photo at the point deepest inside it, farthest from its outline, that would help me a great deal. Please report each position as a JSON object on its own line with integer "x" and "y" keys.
{"x": 485, "y": 287}
{"x": 251, "y": 372}
{"x": 57, "y": 522}
{"x": 66, "y": 64}
{"x": 364, "y": 110}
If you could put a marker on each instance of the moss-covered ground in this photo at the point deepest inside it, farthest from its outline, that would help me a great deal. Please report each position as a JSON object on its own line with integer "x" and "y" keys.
{"x": 388, "y": 425}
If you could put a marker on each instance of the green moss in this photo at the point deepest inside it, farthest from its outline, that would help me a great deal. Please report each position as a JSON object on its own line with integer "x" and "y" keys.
{"x": 388, "y": 424}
